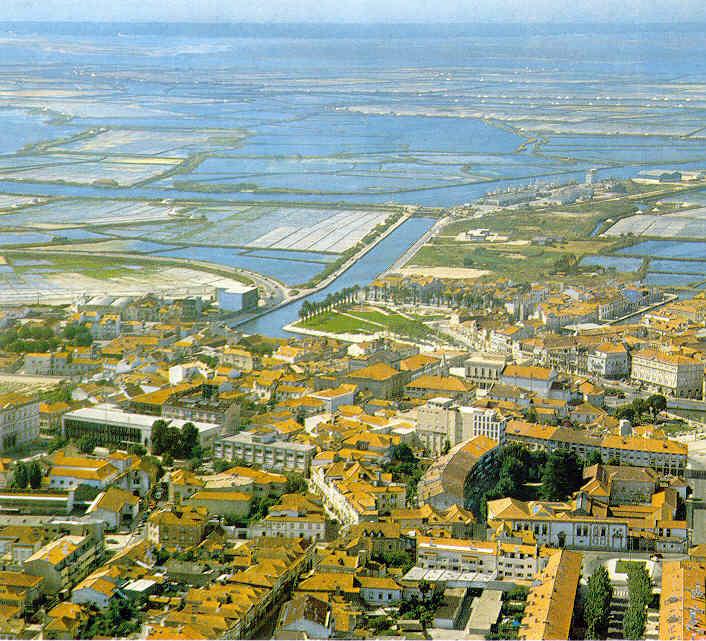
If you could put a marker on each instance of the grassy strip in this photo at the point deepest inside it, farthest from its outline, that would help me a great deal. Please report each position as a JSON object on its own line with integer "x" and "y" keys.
{"x": 335, "y": 323}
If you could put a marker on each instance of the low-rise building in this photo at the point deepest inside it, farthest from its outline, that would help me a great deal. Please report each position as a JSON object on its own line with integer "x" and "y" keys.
{"x": 428, "y": 386}
{"x": 530, "y": 378}
{"x": 225, "y": 502}
{"x": 64, "y": 621}
{"x": 28, "y": 501}
{"x": 550, "y": 604}
{"x": 115, "y": 507}
{"x": 19, "y": 590}
{"x": 609, "y": 360}
{"x": 456, "y": 520}
{"x": 379, "y": 590}
{"x": 296, "y": 516}
{"x": 484, "y": 369}
{"x": 177, "y": 528}
{"x": 559, "y": 524}
{"x": 112, "y": 426}
{"x": 64, "y": 562}
{"x": 237, "y": 357}
{"x": 443, "y": 482}
{"x": 620, "y": 484}
{"x": 664, "y": 455}
{"x": 682, "y": 603}
{"x": 98, "y": 588}
{"x": 335, "y": 397}
{"x": 381, "y": 380}
{"x": 496, "y": 559}
{"x": 264, "y": 450}
{"x": 357, "y": 493}
{"x": 306, "y": 615}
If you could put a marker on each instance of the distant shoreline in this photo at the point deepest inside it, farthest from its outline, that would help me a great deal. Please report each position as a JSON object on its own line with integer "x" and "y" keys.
{"x": 326, "y": 30}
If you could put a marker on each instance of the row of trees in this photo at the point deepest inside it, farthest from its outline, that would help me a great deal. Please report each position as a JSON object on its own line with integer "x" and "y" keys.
{"x": 596, "y": 609}
{"x": 440, "y": 295}
{"x": 515, "y": 466}
{"x": 42, "y": 338}
{"x": 173, "y": 442}
{"x": 562, "y": 475}
{"x": 25, "y": 475}
{"x": 343, "y": 297}
{"x": 639, "y": 597}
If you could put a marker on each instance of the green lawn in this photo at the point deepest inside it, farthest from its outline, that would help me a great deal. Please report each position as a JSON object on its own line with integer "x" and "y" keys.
{"x": 336, "y": 323}
{"x": 365, "y": 322}
{"x": 622, "y": 565}
{"x": 395, "y": 323}
{"x": 570, "y": 221}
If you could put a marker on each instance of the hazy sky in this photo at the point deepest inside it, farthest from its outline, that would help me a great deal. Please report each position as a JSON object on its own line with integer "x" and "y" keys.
{"x": 621, "y": 11}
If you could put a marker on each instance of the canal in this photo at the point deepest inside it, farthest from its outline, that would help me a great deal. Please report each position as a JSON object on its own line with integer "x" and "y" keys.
{"x": 377, "y": 260}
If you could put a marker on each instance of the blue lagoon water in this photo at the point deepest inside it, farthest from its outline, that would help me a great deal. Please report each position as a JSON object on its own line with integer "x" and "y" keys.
{"x": 667, "y": 249}
{"x": 344, "y": 115}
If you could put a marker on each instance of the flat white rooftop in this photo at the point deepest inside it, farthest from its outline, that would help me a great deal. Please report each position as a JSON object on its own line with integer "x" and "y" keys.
{"x": 106, "y": 413}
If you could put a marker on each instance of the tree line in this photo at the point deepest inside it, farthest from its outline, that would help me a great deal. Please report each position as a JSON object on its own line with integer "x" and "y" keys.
{"x": 345, "y": 296}
{"x": 438, "y": 295}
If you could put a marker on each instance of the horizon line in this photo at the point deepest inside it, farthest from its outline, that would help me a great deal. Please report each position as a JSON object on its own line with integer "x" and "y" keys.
{"x": 460, "y": 23}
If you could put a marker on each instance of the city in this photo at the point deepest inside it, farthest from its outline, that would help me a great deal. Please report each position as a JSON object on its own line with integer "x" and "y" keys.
{"x": 366, "y": 352}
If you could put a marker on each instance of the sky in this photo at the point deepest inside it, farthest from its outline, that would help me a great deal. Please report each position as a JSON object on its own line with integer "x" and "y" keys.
{"x": 353, "y": 11}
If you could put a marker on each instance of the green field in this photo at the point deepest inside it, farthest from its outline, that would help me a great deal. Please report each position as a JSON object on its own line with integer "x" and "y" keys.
{"x": 101, "y": 267}
{"x": 518, "y": 262}
{"x": 570, "y": 222}
{"x": 395, "y": 323}
{"x": 336, "y": 323}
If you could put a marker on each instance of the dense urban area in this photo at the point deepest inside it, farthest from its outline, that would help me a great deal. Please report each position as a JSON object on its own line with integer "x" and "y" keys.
{"x": 474, "y": 455}
{"x": 352, "y": 332}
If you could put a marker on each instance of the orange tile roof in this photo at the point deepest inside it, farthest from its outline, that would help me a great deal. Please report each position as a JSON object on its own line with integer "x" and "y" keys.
{"x": 550, "y": 603}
